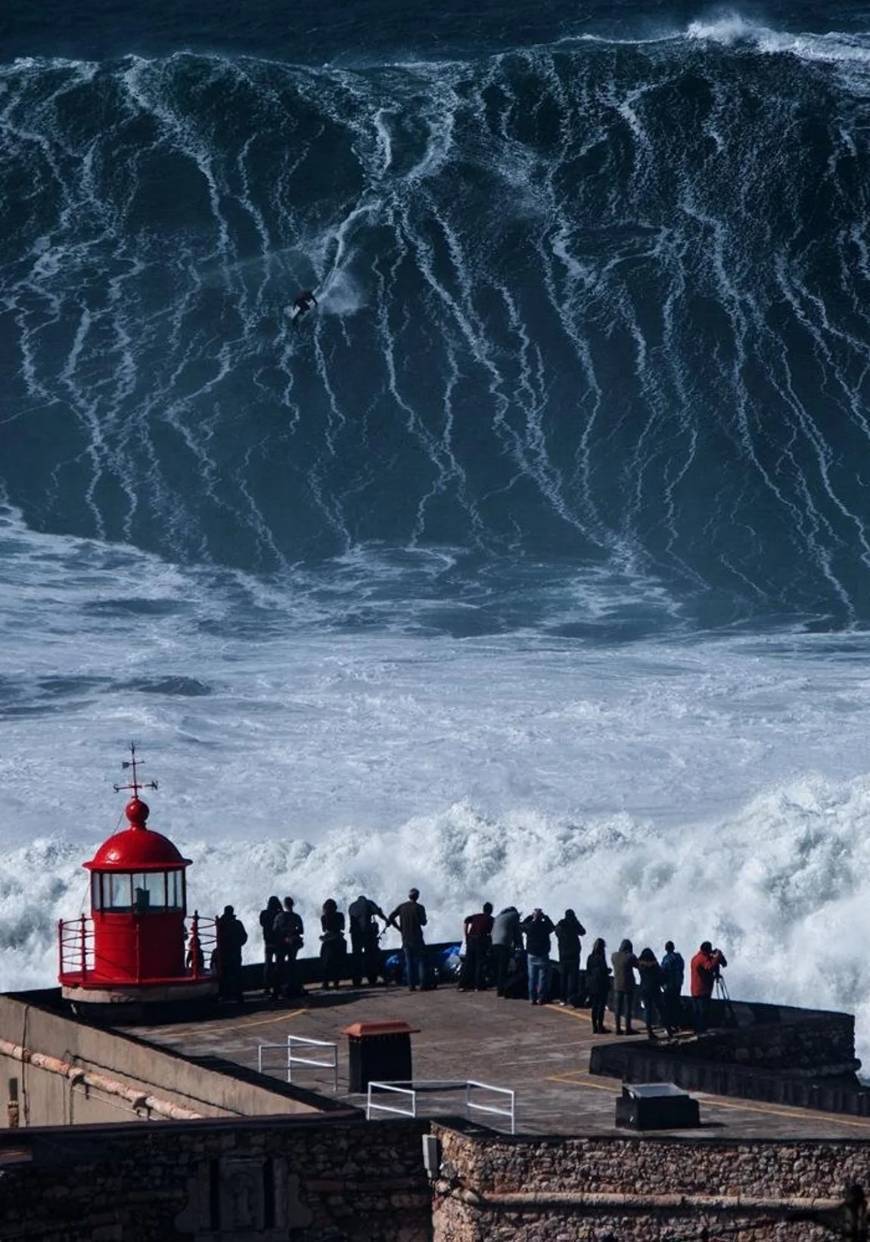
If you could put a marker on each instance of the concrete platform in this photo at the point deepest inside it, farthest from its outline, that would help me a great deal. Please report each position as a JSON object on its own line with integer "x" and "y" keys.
{"x": 542, "y": 1053}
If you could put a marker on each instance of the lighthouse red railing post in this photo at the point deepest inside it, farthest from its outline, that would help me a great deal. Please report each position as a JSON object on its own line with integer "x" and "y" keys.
{"x": 83, "y": 946}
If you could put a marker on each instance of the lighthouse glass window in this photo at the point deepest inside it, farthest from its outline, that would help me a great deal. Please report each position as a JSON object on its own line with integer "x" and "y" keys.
{"x": 116, "y": 893}
{"x": 149, "y": 890}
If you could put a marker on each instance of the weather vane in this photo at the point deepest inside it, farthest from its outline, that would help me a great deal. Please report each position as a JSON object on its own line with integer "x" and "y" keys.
{"x": 135, "y": 784}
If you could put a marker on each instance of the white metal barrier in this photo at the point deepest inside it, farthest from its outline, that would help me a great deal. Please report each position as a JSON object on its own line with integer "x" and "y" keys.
{"x": 387, "y": 1108}
{"x": 295, "y": 1060}
{"x": 470, "y": 1104}
{"x": 468, "y": 1085}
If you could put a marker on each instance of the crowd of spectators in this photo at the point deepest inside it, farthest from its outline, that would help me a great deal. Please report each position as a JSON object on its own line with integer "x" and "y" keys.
{"x": 504, "y": 952}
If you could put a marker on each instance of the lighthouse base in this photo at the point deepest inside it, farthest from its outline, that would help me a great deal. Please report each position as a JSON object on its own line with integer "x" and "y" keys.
{"x": 117, "y": 1003}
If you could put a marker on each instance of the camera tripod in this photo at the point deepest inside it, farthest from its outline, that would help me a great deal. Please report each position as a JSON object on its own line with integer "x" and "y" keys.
{"x": 724, "y": 996}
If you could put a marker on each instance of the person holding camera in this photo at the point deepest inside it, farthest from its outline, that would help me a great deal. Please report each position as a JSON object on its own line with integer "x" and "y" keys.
{"x": 704, "y": 971}
{"x": 536, "y": 928}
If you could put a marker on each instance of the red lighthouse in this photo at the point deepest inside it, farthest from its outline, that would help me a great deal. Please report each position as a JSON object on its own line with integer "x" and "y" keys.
{"x": 138, "y": 947}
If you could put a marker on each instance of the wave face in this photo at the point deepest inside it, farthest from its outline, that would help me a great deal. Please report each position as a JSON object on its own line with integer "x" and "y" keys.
{"x": 590, "y": 303}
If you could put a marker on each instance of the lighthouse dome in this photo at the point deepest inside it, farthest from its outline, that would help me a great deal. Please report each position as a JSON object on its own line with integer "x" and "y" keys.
{"x": 137, "y": 848}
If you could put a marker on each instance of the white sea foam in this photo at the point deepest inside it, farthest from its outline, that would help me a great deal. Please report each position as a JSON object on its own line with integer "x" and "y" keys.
{"x": 779, "y": 884}
{"x": 732, "y": 28}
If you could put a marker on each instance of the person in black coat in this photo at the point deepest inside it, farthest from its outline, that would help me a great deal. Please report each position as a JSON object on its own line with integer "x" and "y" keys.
{"x": 650, "y": 989}
{"x": 231, "y": 935}
{"x": 598, "y": 985}
{"x": 288, "y": 931}
{"x": 333, "y": 946}
{"x": 267, "y": 920}
{"x": 364, "y": 936}
{"x": 568, "y": 932}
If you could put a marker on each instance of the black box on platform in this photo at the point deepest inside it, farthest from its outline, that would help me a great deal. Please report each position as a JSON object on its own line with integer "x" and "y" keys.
{"x": 380, "y": 1052}
{"x": 656, "y": 1106}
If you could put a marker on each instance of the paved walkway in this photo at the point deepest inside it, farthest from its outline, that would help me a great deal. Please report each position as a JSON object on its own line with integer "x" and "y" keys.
{"x": 540, "y": 1052}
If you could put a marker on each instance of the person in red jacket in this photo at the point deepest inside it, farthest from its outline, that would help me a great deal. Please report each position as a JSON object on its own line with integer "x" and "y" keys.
{"x": 704, "y": 971}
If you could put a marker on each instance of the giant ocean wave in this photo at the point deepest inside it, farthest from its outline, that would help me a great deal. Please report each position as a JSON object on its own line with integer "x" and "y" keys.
{"x": 596, "y": 302}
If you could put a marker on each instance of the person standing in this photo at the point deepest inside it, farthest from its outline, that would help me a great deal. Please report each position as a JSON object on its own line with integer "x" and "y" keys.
{"x": 704, "y": 969}
{"x": 651, "y": 991}
{"x": 409, "y": 919}
{"x": 289, "y": 931}
{"x": 506, "y": 939}
{"x": 333, "y": 946}
{"x": 537, "y": 929}
{"x": 598, "y": 985}
{"x": 478, "y": 941}
{"x": 624, "y": 963}
{"x": 364, "y": 938}
{"x": 267, "y": 922}
{"x": 568, "y": 932}
{"x": 231, "y": 935}
{"x": 673, "y": 974}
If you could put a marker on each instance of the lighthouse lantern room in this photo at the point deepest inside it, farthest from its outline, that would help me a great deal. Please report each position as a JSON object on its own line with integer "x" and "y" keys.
{"x": 138, "y": 945}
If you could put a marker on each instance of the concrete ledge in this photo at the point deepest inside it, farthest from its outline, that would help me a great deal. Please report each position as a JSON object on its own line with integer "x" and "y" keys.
{"x": 647, "y": 1063}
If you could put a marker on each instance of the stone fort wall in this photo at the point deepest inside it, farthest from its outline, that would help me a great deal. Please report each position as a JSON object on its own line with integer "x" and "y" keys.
{"x": 321, "y": 1179}
{"x": 304, "y": 1178}
{"x": 493, "y": 1188}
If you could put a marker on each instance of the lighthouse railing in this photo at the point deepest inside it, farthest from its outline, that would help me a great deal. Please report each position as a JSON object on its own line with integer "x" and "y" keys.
{"x": 201, "y": 957}
{"x": 75, "y": 943}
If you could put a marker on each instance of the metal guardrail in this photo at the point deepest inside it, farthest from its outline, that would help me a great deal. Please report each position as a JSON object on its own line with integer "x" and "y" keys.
{"x": 510, "y": 1112}
{"x": 387, "y": 1108}
{"x": 75, "y": 945}
{"x": 413, "y": 1087}
{"x": 292, "y": 1060}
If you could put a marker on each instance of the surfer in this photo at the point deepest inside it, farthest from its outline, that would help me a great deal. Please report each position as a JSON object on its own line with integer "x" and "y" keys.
{"x": 302, "y": 304}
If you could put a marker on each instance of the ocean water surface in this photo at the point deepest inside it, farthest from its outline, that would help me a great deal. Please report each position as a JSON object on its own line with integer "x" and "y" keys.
{"x": 533, "y": 566}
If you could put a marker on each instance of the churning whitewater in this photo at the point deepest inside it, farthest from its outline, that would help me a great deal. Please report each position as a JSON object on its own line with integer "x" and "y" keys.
{"x": 532, "y": 564}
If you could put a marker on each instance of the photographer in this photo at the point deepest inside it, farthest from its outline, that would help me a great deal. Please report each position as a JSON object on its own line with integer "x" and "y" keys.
{"x": 705, "y": 968}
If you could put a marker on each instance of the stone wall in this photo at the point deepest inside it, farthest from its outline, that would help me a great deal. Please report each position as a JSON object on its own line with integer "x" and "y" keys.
{"x": 775, "y": 1053}
{"x": 809, "y": 1044}
{"x": 318, "y": 1179}
{"x": 312, "y": 1180}
{"x": 496, "y": 1189}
